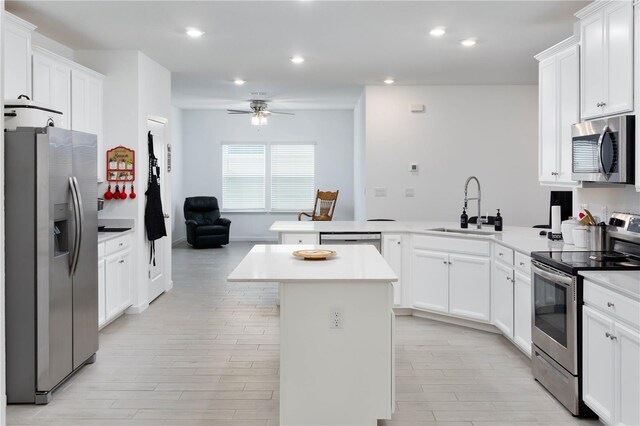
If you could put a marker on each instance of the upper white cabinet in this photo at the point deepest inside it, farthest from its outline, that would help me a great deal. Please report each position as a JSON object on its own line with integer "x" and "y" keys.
{"x": 392, "y": 253}
{"x": 17, "y": 56}
{"x": 52, "y": 83}
{"x": 636, "y": 56}
{"x": 86, "y": 108}
{"x": 606, "y": 64}
{"x": 559, "y": 109}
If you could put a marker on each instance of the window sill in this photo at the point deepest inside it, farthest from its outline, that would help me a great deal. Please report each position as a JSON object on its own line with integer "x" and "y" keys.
{"x": 261, "y": 211}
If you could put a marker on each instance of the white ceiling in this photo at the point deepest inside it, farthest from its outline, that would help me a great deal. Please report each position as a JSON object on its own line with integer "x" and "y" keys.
{"x": 346, "y": 44}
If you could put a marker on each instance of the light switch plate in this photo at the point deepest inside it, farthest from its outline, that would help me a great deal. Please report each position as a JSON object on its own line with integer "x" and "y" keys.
{"x": 417, "y": 108}
{"x": 380, "y": 192}
{"x": 409, "y": 192}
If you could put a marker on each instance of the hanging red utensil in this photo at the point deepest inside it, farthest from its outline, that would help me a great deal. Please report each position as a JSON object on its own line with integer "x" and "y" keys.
{"x": 108, "y": 195}
{"x": 116, "y": 195}
{"x": 123, "y": 194}
{"x": 132, "y": 194}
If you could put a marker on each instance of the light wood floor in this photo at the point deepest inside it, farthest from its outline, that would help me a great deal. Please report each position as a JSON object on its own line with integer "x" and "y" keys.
{"x": 206, "y": 353}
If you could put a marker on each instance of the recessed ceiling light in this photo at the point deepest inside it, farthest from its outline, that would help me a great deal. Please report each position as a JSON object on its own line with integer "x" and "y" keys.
{"x": 389, "y": 81}
{"x": 437, "y": 32}
{"x": 468, "y": 42}
{"x": 239, "y": 82}
{"x": 194, "y": 32}
{"x": 297, "y": 59}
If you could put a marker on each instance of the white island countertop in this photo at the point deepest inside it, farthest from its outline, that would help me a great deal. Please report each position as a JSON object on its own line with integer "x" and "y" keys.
{"x": 520, "y": 238}
{"x": 625, "y": 282}
{"x": 276, "y": 263}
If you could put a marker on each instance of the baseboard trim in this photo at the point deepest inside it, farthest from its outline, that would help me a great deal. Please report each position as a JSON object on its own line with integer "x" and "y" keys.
{"x": 454, "y": 320}
{"x": 137, "y": 309}
{"x": 178, "y": 241}
{"x": 170, "y": 286}
{"x": 256, "y": 239}
{"x": 402, "y": 312}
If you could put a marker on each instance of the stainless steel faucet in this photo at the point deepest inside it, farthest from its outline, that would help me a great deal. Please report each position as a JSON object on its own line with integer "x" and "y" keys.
{"x": 466, "y": 185}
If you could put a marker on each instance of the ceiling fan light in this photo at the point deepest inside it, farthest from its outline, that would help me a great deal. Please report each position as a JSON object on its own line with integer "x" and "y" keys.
{"x": 255, "y": 120}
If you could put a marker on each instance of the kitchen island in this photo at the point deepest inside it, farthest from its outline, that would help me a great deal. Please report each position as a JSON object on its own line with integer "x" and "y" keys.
{"x": 336, "y": 332}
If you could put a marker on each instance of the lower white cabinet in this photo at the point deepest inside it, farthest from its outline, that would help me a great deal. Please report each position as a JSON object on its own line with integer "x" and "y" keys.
{"x": 115, "y": 270}
{"x": 611, "y": 367}
{"x": 470, "y": 287}
{"x": 452, "y": 283}
{"x": 503, "y": 298}
{"x": 299, "y": 239}
{"x": 430, "y": 280}
{"x": 522, "y": 311}
{"x": 392, "y": 253}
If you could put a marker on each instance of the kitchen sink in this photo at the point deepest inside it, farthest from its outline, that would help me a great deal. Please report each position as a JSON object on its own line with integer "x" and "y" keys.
{"x": 464, "y": 231}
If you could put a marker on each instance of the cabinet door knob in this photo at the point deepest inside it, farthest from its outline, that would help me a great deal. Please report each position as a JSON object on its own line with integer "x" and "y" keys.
{"x": 398, "y": 243}
{"x": 603, "y": 104}
{"x": 521, "y": 263}
{"x": 610, "y": 305}
{"x": 445, "y": 262}
{"x": 610, "y": 336}
{"x": 121, "y": 261}
{"x": 500, "y": 254}
{"x": 450, "y": 263}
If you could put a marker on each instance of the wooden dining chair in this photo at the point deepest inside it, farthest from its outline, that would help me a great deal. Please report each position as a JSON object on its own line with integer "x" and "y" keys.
{"x": 325, "y": 205}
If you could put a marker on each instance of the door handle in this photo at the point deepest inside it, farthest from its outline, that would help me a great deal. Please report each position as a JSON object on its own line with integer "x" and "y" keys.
{"x": 600, "y": 147}
{"x": 166, "y": 215}
{"x": 76, "y": 235}
{"x": 80, "y": 227}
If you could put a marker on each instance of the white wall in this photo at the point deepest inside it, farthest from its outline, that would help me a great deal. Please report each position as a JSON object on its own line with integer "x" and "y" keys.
{"x": 617, "y": 198}
{"x": 178, "y": 230}
{"x": 51, "y": 45}
{"x": 3, "y": 375}
{"x": 203, "y": 131}
{"x": 359, "y": 153}
{"x": 486, "y": 131}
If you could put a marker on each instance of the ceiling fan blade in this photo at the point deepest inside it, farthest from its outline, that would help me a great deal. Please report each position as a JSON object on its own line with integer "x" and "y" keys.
{"x": 281, "y": 113}
{"x": 238, "y": 111}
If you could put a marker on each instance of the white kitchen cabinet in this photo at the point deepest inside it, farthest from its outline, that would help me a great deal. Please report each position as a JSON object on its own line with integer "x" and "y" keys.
{"x": 17, "y": 56}
{"x": 598, "y": 363}
{"x": 52, "y": 84}
{"x": 522, "y": 311}
{"x": 430, "y": 280}
{"x": 308, "y": 238}
{"x": 559, "y": 108}
{"x": 606, "y": 65}
{"x": 86, "y": 108}
{"x": 117, "y": 283}
{"x": 102, "y": 315}
{"x": 611, "y": 355}
{"x": 636, "y": 57}
{"x": 392, "y": 253}
{"x": 470, "y": 287}
{"x": 503, "y": 298}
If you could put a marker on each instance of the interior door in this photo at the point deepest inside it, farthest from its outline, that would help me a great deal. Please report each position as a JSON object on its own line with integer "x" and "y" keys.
{"x": 160, "y": 273}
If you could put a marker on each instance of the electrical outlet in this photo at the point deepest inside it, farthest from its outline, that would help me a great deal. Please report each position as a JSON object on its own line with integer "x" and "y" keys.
{"x": 335, "y": 318}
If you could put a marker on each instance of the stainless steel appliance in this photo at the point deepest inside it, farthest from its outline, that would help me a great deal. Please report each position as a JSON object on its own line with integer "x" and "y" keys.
{"x": 51, "y": 259}
{"x": 336, "y": 238}
{"x": 557, "y": 307}
{"x": 603, "y": 150}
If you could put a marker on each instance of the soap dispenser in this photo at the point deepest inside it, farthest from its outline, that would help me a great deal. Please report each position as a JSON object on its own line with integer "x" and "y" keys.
{"x": 464, "y": 219}
{"x": 498, "y": 221}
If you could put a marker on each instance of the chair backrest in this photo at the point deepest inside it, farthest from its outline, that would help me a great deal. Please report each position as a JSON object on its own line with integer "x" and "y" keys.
{"x": 203, "y": 210}
{"x": 325, "y": 205}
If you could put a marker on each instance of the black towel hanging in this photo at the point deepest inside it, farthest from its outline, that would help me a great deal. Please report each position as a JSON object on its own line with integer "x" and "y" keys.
{"x": 153, "y": 214}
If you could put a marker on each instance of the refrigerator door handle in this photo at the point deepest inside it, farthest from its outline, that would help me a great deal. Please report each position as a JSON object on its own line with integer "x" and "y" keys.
{"x": 76, "y": 236}
{"x": 80, "y": 227}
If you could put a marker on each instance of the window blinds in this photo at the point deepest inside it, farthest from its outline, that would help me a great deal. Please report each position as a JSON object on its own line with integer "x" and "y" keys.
{"x": 292, "y": 177}
{"x": 243, "y": 177}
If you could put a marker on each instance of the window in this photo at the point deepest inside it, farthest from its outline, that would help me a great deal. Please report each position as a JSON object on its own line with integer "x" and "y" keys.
{"x": 268, "y": 177}
{"x": 243, "y": 177}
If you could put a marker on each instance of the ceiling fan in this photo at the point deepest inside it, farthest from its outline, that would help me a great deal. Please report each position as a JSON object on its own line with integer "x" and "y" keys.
{"x": 259, "y": 111}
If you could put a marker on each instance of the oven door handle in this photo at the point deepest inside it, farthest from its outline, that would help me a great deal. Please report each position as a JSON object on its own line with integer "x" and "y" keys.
{"x": 600, "y": 161}
{"x": 556, "y": 278}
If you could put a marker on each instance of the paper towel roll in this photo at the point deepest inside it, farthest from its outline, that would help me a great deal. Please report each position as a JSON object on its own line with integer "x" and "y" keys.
{"x": 556, "y": 222}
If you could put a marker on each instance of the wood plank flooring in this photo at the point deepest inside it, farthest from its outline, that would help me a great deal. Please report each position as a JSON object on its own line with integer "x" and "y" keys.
{"x": 206, "y": 353}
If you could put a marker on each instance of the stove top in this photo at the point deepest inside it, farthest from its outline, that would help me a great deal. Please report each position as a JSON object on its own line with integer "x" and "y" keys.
{"x": 573, "y": 261}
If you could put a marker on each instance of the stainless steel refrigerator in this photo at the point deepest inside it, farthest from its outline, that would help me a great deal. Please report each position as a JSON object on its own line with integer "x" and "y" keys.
{"x": 51, "y": 251}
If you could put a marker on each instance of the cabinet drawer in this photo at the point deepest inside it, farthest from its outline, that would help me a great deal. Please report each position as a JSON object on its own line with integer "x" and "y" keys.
{"x": 117, "y": 244}
{"x": 452, "y": 245}
{"x": 101, "y": 250}
{"x": 611, "y": 302}
{"x": 299, "y": 238}
{"x": 504, "y": 254}
{"x": 523, "y": 263}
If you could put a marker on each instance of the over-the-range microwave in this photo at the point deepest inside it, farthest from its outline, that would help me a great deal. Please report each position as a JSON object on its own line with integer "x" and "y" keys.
{"x": 603, "y": 150}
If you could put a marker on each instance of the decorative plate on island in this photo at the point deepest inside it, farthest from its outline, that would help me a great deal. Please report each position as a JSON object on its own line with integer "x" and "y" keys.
{"x": 314, "y": 254}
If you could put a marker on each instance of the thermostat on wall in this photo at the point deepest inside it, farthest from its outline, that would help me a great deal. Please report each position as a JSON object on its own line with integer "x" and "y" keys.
{"x": 413, "y": 167}
{"x": 417, "y": 108}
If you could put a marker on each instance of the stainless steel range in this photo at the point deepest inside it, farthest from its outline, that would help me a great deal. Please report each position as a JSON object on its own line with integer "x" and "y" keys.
{"x": 557, "y": 307}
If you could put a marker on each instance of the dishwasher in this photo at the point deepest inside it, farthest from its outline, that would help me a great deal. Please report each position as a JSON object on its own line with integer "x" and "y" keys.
{"x": 340, "y": 238}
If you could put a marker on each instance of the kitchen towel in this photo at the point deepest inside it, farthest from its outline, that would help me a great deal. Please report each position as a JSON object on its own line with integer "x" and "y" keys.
{"x": 556, "y": 221}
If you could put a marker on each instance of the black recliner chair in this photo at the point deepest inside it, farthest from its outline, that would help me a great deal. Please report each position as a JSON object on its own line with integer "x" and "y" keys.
{"x": 205, "y": 227}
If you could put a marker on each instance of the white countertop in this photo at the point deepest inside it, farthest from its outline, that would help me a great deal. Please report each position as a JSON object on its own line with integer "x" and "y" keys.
{"x": 275, "y": 263}
{"x": 625, "y": 282}
{"x": 520, "y": 238}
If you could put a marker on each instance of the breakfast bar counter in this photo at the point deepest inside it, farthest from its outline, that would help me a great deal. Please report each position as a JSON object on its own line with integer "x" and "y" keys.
{"x": 336, "y": 332}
